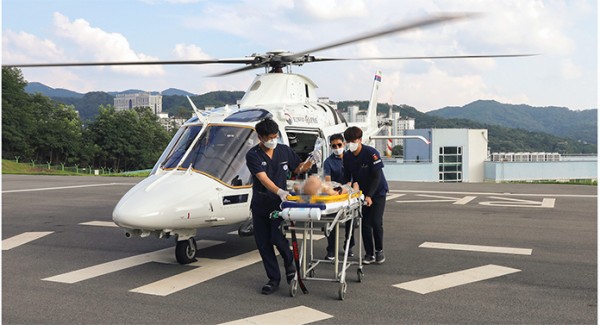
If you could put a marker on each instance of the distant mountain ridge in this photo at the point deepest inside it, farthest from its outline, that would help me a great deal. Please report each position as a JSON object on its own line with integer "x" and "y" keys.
{"x": 559, "y": 121}
{"x": 37, "y": 87}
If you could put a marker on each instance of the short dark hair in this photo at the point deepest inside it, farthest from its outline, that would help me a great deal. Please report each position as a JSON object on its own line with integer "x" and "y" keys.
{"x": 266, "y": 127}
{"x": 337, "y": 136}
{"x": 353, "y": 133}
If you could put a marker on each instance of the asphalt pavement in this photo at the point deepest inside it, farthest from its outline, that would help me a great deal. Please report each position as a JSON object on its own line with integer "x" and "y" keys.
{"x": 455, "y": 254}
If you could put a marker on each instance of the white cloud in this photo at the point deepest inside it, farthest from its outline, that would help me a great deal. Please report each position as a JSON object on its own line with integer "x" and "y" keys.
{"x": 569, "y": 70}
{"x": 333, "y": 9}
{"x": 104, "y": 46}
{"x": 189, "y": 52}
{"x": 23, "y": 47}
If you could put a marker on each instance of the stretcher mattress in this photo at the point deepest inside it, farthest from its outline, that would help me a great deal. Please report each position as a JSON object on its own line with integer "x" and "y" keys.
{"x": 311, "y": 208}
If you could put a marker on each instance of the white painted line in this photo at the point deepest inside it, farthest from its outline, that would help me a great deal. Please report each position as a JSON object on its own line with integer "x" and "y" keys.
{"x": 64, "y": 187}
{"x": 508, "y": 202}
{"x": 23, "y": 238}
{"x": 209, "y": 269}
{"x": 438, "y": 199}
{"x": 99, "y": 224}
{"x": 162, "y": 256}
{"x": 449, "y": 280}
{"x": 492, "y": 193}
{"x": 393, "y": 196}
{"x": 300, "y": 235}
{"x": 477, "y": 248}
{"x": 292, "y": 316}
{"x": 465, "y": 200}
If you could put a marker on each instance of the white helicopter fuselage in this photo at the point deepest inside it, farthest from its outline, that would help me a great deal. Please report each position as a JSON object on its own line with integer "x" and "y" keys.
{"x": 201, "y": 179}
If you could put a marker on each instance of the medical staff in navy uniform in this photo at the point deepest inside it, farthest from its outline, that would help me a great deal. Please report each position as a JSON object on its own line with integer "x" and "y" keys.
{"x": 333, "y": 170}
{"x": 363, "y": 164}
{"x": 270, "y": 164}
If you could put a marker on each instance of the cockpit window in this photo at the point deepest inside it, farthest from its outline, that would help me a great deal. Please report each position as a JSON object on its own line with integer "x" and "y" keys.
{"x": 220, "y": 152}
{"x": 181, "y": 146}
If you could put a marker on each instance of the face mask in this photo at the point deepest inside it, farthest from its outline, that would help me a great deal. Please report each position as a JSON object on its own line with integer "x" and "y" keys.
{"x": 352, "y": 146}
{"x": 338, "y": 151}
{"x": 271, "y": 144}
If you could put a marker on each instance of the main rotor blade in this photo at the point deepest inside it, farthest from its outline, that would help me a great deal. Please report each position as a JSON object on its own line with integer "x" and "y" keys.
{"x": 395, "y": 29}
{"x": 246, "y": 68}
{"x": 326, "y": 59}
{"x": 176, "y": 62}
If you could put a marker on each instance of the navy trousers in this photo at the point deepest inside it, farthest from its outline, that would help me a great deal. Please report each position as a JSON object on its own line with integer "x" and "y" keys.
{"x": 267, "y": 233}
{"x": 372, "y": 227}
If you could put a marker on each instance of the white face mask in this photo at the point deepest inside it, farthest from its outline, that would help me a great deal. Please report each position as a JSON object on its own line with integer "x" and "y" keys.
{"x": 271, "y": 144}
{"x": 352, "y": 146}
{"x": 338, "y": 151}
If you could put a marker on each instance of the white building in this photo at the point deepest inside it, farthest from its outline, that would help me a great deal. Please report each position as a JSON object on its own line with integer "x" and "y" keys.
{"x": 453, "y": 155}
{"x": 129, "y": 101}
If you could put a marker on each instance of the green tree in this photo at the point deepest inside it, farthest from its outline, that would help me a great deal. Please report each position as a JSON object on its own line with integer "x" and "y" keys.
{"x": 58, "y": 131}
{"x": 127, "y": 140}
{"x": 17, "y": 117}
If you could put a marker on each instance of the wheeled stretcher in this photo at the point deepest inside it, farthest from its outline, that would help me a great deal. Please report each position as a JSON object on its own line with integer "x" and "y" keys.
{"x": 324, "y": 213}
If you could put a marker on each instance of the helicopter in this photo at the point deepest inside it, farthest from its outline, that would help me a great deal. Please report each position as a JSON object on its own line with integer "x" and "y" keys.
{"x": 201, "y": 179}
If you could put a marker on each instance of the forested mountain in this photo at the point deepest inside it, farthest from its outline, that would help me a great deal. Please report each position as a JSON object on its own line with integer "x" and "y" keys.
{"x": 36, "y": 87}
{"x": 510, "y": 127}
{"x": 501, "y": 139}
{"x": 559, "y": 121}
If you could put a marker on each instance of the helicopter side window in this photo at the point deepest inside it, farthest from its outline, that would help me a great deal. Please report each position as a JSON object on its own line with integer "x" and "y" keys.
{"x": 303, "y": 144}
{"x": 179, "y": 149}
{"x": 220, "y": 152}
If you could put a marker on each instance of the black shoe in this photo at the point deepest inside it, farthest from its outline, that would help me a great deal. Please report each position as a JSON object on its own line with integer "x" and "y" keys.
{"x": 368, "y": 259}
{"x": 270, "y": 287}
{"x": 330, "y": 256}
{"x": 350, "y": 253}
{"x": 379, "y": 257}
{"x": 290, "y": 274}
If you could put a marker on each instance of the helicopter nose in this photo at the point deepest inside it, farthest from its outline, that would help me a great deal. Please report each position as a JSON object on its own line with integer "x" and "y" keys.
{"x": 166, "y": 201}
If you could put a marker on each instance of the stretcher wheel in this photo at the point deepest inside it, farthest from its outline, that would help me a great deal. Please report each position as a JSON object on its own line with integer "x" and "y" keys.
{"x": 293, "y": 287}
{"x": 360, "y": 275}
{"x": 311, "y": 273}
{"x": 342, "y": 290}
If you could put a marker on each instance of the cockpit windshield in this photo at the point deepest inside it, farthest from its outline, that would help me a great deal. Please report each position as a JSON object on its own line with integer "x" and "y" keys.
{"x": 219, "y": 152}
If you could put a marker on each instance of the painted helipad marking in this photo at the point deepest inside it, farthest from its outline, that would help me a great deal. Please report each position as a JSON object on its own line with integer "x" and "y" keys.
{"x": 509, "y": 202}
{"x": 99, "y": 224}
{"x": 393, "y": 196}
{"x": 209, "y": 269}
{"x": 454, "y": 279}
{"x": 478, "y": 248}
{"x": 23, "y": 238}
{"x": 292, "y": 316}
{"x": 492, "y": 193}
{"x": 161, "y": 256}
{"x": 64, "y": 187}
{"x": 439, "y": 198}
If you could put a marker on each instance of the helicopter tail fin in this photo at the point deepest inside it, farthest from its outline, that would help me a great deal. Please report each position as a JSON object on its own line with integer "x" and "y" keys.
{"x": 371, "y": 120}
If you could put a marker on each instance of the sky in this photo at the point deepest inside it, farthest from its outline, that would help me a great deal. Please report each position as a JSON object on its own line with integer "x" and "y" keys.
{"x": 564, "y": 34}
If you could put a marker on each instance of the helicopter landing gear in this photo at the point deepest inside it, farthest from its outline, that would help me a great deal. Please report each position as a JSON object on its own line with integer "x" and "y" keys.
{"x": 185, "y": 251}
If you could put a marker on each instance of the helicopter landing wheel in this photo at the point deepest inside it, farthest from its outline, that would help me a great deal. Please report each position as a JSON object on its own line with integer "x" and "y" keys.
{"x": 185, "y": 251}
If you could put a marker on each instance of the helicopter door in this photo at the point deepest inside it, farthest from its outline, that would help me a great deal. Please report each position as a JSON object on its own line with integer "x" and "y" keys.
{"x": 302, "y": 142}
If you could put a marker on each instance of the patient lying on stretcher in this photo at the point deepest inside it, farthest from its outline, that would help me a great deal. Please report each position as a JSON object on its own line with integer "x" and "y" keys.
{"x": 314, "y": 186}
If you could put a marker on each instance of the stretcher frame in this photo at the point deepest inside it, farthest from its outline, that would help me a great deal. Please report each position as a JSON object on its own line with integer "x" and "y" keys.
{"x": 335, "y": 210}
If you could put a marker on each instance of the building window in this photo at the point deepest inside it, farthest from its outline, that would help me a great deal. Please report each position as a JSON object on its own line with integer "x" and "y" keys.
{"x": 450, "y": 164}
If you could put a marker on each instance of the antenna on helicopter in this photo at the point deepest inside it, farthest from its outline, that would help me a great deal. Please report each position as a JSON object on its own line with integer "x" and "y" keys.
{"x": 194, "y": 108}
